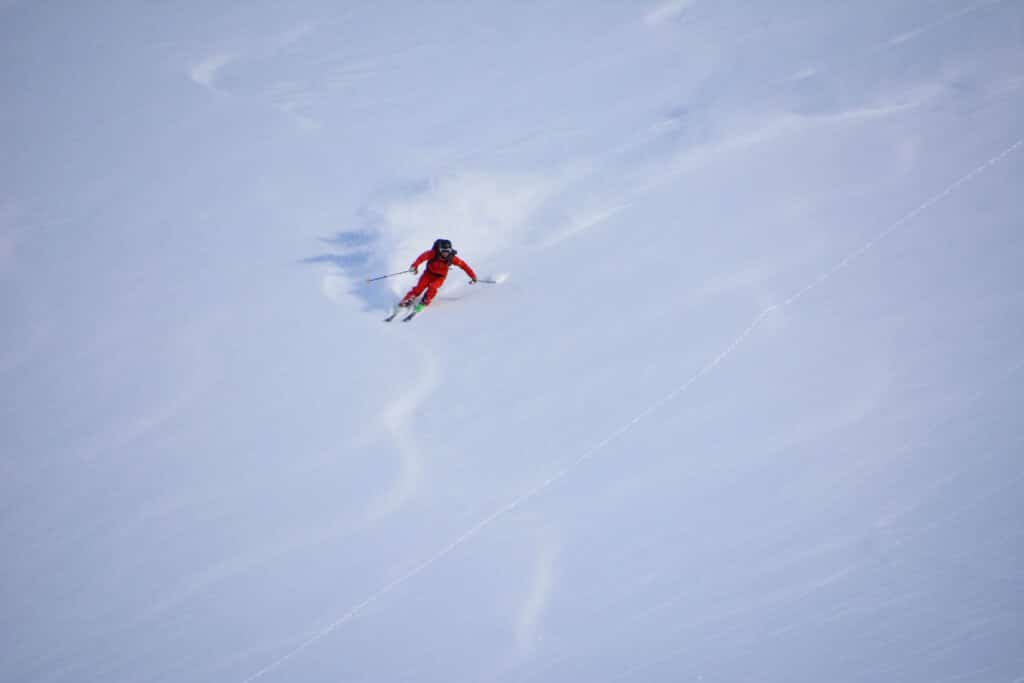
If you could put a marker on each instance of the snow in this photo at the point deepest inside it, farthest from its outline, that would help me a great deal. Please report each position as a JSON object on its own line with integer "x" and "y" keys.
{"x": 743, "y": 405}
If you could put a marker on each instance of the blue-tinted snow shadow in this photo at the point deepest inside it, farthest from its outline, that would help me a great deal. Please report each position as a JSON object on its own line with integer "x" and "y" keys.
{"x": 359, "y": 254}
{"x": 353, "y": 253}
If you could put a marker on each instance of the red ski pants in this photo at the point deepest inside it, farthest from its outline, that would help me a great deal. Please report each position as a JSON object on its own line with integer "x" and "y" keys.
{"x": 429, "y": 282}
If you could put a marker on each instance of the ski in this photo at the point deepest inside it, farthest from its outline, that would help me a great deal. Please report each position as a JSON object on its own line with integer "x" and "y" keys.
{"x": 416, "y": 309}
{"x": 395, "y": 309}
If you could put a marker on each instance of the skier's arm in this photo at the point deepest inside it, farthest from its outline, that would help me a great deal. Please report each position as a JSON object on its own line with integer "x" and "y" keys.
{"x": 465, "y": 266}
{"x": 425, "y": 256}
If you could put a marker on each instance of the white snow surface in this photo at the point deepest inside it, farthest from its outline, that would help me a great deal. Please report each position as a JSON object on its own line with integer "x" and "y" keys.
{"x": 745, "y": 405}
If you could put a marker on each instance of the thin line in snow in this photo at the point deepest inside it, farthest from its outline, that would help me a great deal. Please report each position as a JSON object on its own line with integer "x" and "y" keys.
{"x": 594, "y": 450}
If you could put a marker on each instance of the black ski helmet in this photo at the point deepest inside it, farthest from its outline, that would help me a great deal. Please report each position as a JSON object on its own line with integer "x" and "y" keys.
{"x": 443, "y": 248}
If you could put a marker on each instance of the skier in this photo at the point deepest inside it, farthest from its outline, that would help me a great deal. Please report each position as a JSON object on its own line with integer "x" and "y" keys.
{"x": 439, "y": 259}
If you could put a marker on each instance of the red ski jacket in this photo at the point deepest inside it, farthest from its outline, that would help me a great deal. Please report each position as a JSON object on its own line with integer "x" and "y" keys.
{"x": 439, "y": 267}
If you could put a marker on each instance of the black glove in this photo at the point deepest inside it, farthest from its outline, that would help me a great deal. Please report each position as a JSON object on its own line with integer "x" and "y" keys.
{"x": 472, "y": 281}
{"x": 413, "y": 269}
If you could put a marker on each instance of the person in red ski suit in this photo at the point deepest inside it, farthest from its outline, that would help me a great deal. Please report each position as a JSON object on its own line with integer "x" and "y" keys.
{"x": 439, "y": 259}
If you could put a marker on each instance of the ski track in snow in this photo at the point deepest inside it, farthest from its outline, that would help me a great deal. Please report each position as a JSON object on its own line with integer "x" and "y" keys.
{"x": 942, "y": 21}
{"x": 206, "y": 71}
{"x": 542, "y": 584}
{"x": 589, "y": 214}
{"x": 895, "y": 41}
{"x": 590, "y": 453}
{"x": 667, "y": 12}
{"x": 397, "y": 418}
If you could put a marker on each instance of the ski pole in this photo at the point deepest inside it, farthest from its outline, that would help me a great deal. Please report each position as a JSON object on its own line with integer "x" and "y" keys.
{"x": 381, "y": 277}
{"x": 488, "y": 282}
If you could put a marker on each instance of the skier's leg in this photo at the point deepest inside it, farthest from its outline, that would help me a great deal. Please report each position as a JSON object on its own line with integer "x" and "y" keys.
{"x": 415, "y": 291}
{"x": 432, "y": 288}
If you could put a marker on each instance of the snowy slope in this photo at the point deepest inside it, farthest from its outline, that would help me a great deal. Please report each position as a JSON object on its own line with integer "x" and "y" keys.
{"x": 745, "y": 409}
